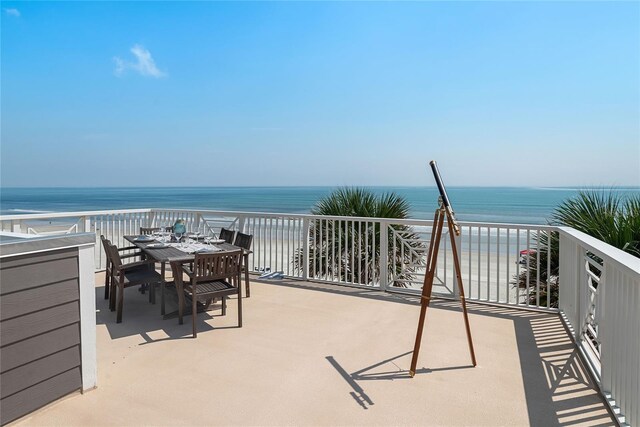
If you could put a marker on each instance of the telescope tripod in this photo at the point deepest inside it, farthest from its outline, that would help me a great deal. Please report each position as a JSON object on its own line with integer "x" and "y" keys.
{"x": 432, "y": 258}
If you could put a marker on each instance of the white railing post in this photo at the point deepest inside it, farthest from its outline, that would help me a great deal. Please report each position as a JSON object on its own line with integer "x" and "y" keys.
{"x": 305, "y": 248}
{"x": 86, "y": 224}
{"x": 241, "y": 221}
{"x": 605, "y": 325}
{"x": 16, "y": 226}
{"x": 151, "y": 218}
{"x": 569, "y": 284}
{"x": 384, "y": 255}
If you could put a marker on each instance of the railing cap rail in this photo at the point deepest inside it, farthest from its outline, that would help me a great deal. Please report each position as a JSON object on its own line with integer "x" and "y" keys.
{"x": 70, "y": 214}
{"x": 418, "y": 222}
{"x": 408, "y": 221}
{"x": 604, "y": 250}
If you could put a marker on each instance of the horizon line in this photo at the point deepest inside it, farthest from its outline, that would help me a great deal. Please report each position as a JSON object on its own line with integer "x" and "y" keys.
{"x": 568, "y": 187}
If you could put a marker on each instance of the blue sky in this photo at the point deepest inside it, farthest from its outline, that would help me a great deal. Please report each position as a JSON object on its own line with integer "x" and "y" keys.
{"x": 175, "y": 93}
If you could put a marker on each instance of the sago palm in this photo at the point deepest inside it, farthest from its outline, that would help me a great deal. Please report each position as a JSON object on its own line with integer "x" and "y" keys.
{"x": 606, "y": 215}
{"x": 350, "y": 250}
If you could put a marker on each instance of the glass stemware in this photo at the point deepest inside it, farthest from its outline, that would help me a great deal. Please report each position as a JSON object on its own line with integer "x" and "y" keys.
{"x": 178, "y": 238}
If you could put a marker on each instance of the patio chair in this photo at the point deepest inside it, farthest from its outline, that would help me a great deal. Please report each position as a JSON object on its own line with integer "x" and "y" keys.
{"x": 227, "y": 235}
{"x": 127, "y": 275}
{"x": 107, "y": 272}
{"x": 244, "y": 241}
{"x": 213, "y": 275}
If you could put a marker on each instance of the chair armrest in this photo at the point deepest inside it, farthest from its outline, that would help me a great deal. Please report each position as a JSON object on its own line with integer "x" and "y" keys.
{"x": 127, "y": 248}
{"x": 135, "y": 254}
{"x": 136, "y": 264}
{"x": 188, "y": 271}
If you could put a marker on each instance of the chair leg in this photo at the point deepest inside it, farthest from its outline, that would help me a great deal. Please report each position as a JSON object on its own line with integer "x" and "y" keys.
{"x": 112, "y": 295}
{"x": 194, "y": 314}
{"x": 224, "y": 305}
{"x": 106, "y": 282}
{"x": 180, "y": 304}
{"x": 162, "y": 286}
{"x": 120, "y": 303}
{"x": 239, "y": 308}
{"x": 246, "y": 277}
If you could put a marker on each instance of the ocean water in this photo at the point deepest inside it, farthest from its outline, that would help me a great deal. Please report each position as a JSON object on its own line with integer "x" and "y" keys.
{"x": 482, "y": 204}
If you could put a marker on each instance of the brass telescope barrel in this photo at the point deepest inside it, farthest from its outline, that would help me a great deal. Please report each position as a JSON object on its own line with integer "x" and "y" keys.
{"x": 444, "y": 197}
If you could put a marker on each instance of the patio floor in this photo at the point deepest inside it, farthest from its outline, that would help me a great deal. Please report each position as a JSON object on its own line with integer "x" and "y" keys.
{"x": 312, "y": 354}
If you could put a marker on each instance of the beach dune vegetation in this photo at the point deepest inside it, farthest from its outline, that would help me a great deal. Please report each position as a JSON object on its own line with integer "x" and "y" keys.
{"x": 349, "y": 250}
{"x": 610, "y": 216}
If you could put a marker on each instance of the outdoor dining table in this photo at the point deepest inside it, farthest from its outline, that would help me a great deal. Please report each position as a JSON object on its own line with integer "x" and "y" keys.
{"x": 171, "y": 253}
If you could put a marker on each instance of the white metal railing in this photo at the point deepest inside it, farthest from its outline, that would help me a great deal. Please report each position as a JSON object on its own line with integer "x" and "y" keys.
{"x": 114, "y": 224}
{"x": 600, "y": 301}
{"x": 368, "y": 252}
{"x": 595, "y": 286}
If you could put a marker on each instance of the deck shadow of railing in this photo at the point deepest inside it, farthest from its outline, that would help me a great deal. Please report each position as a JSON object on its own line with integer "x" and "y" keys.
{"x": 142, "y": 318}
{"x": 559, "y": 391}
{"x": 351, "y": 291}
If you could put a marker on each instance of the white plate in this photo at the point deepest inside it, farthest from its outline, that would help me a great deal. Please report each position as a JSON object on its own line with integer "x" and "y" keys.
{"x": 157, "y": 246}
{"x": 214, "y": 241}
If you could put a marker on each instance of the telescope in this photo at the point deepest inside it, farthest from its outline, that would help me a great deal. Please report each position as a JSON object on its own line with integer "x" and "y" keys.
{"x": 443, "y": 210}
{"x": 444, "y": 198}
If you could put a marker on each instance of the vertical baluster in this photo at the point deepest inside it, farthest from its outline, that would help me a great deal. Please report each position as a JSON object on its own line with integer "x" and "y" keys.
{"x": 333, "y": 250}
{"x": 265, "y": 242}
{"x": 469, "y": 255}
{"x": 289, "y": 241}
{"x": 488, "y": 263}
{"x": 549, "y": 236}
{"x": 444, "y": 259}
{"x": 366, "y": 253}
{"x": 517, "y": 289}
{"x": 372, "y": 254}
{"x": 359, "y": 252}
{"x": 270, "y": 239}
{"x": 340, "y": 222}
{"x": 479, "y": 263}
{"x": 508, "y": 262}
{"x": 538, "y": 268}
{"x": 280, "y": 251}
{"x": 325, "y": 244}
{"x": 383, "y": 258}
{"x": 401, "y": 259}
{"x": 314, "y": 245}
{"x": 528, "y": 267}
{"x": 498, "y": 264}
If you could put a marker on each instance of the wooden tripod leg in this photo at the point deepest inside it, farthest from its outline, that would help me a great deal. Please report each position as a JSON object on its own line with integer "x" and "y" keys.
{"x": 425, "y": 299}
{"x": 456, "y": 262}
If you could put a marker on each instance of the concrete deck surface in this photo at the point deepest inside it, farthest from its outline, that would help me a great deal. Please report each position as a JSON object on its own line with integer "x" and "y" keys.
{"x": 311, "y": 354}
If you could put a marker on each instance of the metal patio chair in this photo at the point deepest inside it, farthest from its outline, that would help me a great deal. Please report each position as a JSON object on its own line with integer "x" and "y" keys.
{"x": 212, "y": 275}
{"x": 244, "y": 241}
{"x": 127, "y": 275}
{"x": 107, "y": 272}
{"x": 227, "y": 235}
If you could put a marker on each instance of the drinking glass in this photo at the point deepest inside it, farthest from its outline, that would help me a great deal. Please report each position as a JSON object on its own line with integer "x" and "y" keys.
{"x": 210, "y": 238}
{"x": 159, "y": 232}
{"x": 179, "y": 238}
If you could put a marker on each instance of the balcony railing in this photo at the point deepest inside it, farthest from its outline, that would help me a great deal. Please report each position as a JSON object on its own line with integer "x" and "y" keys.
{"x": 594, "y": 286}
